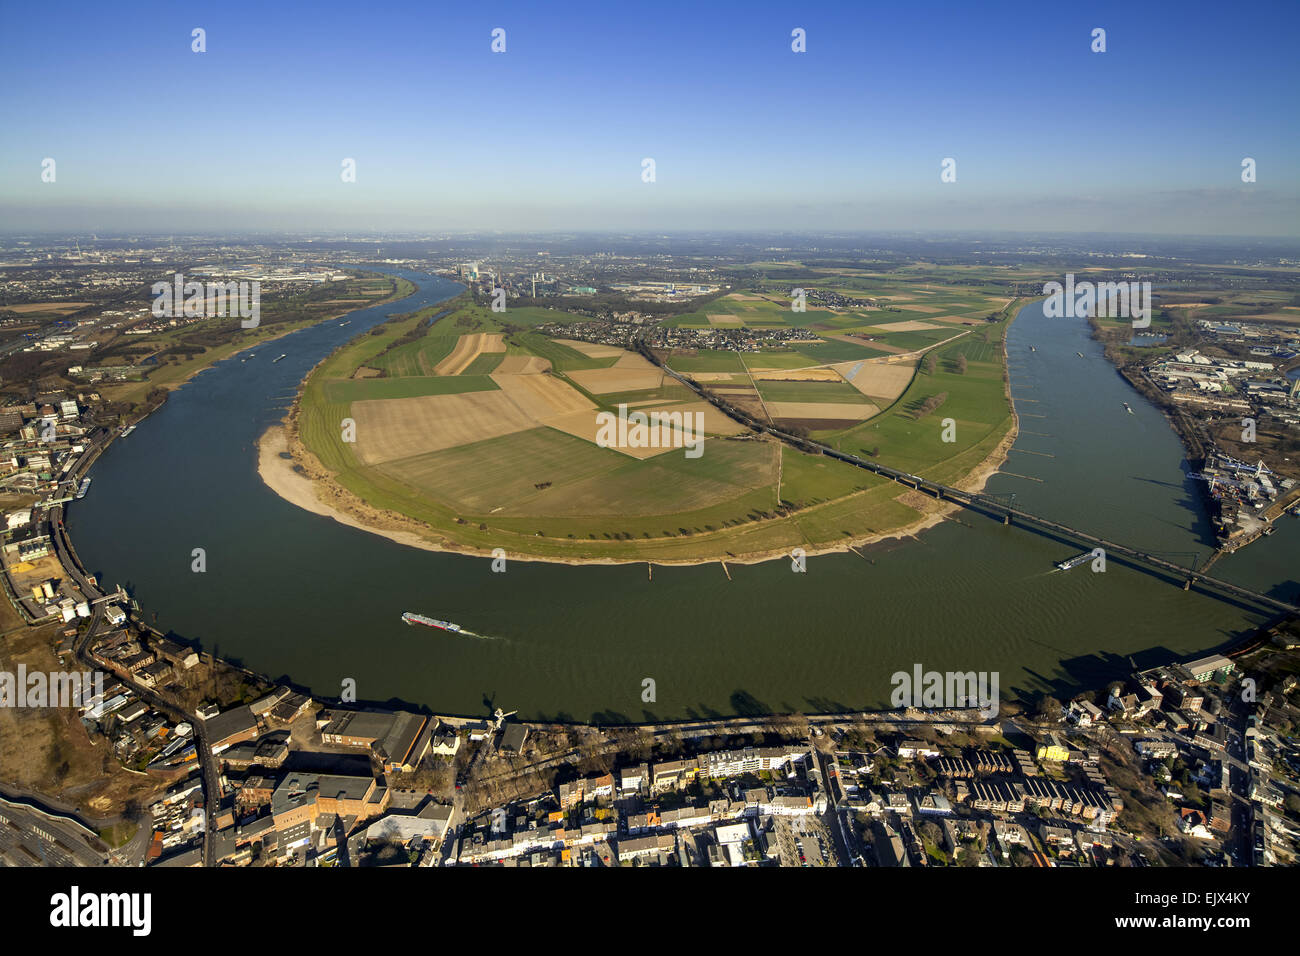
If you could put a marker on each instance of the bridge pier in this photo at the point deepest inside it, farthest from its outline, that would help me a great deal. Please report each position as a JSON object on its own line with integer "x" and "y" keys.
{"x": 1006, "y": 518}
{"x": 1187, "y": 585}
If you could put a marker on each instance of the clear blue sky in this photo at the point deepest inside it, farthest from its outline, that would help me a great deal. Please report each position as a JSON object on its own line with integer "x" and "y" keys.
{"x": 1147, "y": 137}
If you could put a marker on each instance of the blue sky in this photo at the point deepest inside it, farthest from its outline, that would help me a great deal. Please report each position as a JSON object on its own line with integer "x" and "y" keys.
{"x": 1146, "y": 137}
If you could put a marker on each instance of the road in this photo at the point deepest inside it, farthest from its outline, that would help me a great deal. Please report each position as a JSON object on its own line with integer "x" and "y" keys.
{"x": 64, "y": 552}
{"x": 845, "y": 844}
{"x": 211, "y": 787}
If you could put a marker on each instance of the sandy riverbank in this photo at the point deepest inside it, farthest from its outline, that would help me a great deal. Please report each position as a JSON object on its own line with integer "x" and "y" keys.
{"x": 302, "y": 481}
{"x": 286, "y": 477}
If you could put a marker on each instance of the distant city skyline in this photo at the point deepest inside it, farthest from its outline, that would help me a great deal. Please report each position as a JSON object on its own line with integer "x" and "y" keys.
{"x": 1147, "y": 137}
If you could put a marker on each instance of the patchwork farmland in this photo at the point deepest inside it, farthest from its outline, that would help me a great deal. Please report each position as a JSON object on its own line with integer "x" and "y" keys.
{"x": 482, "y": 432}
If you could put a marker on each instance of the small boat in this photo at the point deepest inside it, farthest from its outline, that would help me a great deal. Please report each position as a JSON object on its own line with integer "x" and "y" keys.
{"x": 1074, "y": 562}
{"x": 1127, "y": 408}
{"x": 1080, "y": 354}
{"x": 85, "y": 486}
{"x": 341, "y": 324}
{"x": 1033, "y": 348}
{"x": 127, "y": 430}
{"x": 277, "y": 358}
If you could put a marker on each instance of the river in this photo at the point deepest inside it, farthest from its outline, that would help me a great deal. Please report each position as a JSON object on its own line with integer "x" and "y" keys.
{"x": 297, "y": 595}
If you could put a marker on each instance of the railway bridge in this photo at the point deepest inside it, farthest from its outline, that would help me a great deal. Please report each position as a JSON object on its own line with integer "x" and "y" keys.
{"x": 992, "y": 505}
{"x": 1009, "y": 514}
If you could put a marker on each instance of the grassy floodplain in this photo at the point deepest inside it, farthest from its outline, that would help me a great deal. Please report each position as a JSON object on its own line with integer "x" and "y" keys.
{"x": 539, "y": 486}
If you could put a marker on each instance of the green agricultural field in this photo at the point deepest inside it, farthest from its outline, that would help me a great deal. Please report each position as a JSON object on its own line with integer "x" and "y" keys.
{"x": 750, "y": 314}
{"x": 834, "y": 350}
{"x": 704, "y": 360}
{"x": 504, "y": 472}
{"x": 416, "y": 358}
{"x": 873, "y": 511}
{"x": 811, "y": 479}
{"x": 485, "y": 364}
{"x": 546, "y": 493}
{"x": 976, "y": 401}
{"x": 837, "y": 392}
{"x": 422, "y": 356}
{"x": 777, "y": 358}
{"x": 829, "y": 322}
{"x": 736, "y": 378}
{"x": 670, "y": 391}
{"x": 546, "y": 473}
{"x": 913, "y": 341}
{"x": 688, "y": 320}
{"x": 562, "y": 357}
{"x": 365, "y": 389}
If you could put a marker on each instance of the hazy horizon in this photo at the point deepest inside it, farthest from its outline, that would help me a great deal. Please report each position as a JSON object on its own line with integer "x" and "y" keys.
{"x": 746, "y": 134}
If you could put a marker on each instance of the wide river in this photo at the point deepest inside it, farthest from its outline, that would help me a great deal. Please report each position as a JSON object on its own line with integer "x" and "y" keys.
{"x": 294, "y": 594}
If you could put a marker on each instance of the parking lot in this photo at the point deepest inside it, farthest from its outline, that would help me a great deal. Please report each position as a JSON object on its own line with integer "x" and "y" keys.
{"x": 29, "y": 837}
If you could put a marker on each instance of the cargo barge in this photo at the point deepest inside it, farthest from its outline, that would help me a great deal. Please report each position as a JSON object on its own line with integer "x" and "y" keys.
{"x": 410, "y": 617}
{"x": 1074, "y": 562}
